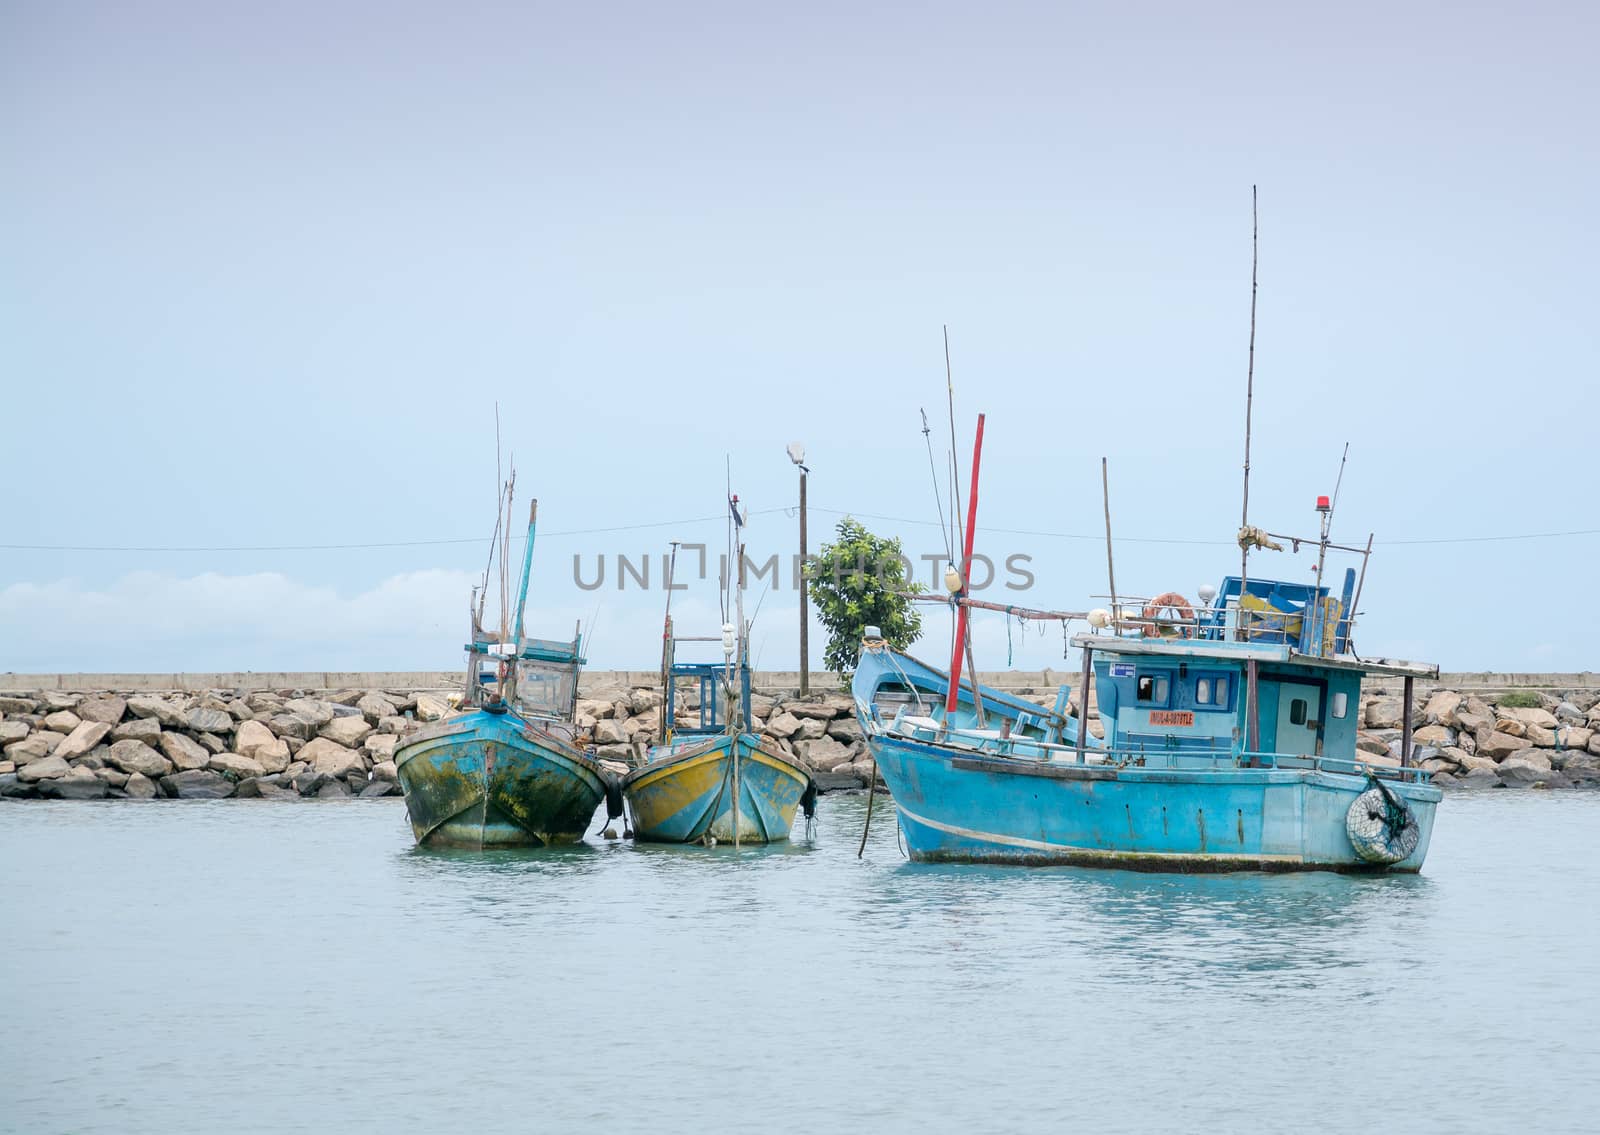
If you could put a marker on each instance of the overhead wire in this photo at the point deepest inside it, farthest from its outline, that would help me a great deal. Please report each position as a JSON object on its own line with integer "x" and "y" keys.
{"x": 1042, "y": 533}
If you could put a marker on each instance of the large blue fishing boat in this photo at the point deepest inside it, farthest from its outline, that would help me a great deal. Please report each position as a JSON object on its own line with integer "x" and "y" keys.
{"x": 1229, "y": 738}
{"x": 1228, "y": 745}
{"x": 716, "y": 780}
{"x": 506, "y": 772}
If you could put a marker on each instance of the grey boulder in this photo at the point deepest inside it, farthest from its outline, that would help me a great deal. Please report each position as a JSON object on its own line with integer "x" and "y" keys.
{"x": 197, "y": 784}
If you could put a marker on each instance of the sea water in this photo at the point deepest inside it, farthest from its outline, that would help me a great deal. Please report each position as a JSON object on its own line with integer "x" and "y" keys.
{"x": 242, "y": 965}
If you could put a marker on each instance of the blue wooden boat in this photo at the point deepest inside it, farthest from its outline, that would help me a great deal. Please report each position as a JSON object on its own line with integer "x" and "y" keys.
{"x": 506, "y": 772}
{"x": 495, "y": 778}
{"x": 715, "y": 781}
{"x": 1229, "y": 736}
{"x": 1230, "y": 744}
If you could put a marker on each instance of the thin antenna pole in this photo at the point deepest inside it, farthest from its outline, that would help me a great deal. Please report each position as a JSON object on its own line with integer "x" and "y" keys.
{"x": 1339, "y": 480}
{"x": 505, "y": 560}
{"x": 494, "y": 540}
{"x": 1249, "y": 405}
{"x": 933, "y": 469}
{"x": 1327, "y": 521}
{"x": 955, "y": 466}
{"x": 955, "y": 486}
{"x": 1111, "y": 574}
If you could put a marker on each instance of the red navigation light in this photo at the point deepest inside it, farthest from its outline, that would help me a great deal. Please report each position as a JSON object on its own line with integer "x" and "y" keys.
{"x": 1322, "y": 504}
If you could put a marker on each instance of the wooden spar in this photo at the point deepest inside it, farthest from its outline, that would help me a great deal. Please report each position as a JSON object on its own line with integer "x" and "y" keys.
{"x": 1252, "y": 709}
{"x": 966, "y": 579}
{"x": 1003, "y": 608}
{"x": 1249, "y": 400}
{"x": 1083, "y": 705}
{"x": 1111, "y": 575}
{"x": 527, "y": 567}
{"x": 1355, "y": 603}
{"x": 972, "y": 682}
{"x": 1298, "y": 540}
{"x": 1405, "y": 722}
{"x": 667, "y": 652}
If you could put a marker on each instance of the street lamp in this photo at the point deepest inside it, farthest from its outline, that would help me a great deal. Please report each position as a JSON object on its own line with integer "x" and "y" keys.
{"x": 797, "y": 454}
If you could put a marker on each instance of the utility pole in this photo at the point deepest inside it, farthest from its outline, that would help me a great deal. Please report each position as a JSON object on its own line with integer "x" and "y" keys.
{"x": 797, "y": 454}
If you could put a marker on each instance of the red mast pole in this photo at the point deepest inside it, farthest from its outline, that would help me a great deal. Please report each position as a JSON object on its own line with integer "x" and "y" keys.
{"x": 966, "y": 576}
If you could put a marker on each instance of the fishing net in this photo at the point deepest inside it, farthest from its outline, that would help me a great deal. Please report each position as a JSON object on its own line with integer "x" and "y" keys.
{"x": 1381, "y": 826}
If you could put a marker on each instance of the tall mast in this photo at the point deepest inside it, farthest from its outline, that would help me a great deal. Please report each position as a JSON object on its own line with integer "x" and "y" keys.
{"x": 1111, "y": 573}
{"x": 735, "y": 743}
{"x": 951, "y": 696}
{"x": 1249, "y": 400}
{"x": 741, "y": 641}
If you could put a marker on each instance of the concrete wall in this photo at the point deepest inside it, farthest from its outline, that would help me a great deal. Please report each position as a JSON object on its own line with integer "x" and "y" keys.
{"x": 595, "y": 679}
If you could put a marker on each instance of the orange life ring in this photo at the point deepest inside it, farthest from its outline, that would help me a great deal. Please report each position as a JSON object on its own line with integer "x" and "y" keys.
{"x": 1178, "y": 605}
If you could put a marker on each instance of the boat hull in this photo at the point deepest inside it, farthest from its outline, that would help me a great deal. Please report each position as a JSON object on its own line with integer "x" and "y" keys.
{"x": 495, "y": 780}
{"x": 685, "y": 794}
{"x": 961, "y": 806}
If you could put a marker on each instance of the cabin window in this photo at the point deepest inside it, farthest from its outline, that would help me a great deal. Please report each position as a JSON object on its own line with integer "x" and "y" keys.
{"x": 1211, "y": 690}
{"x": 1297, "y": 711}
{"x": 1341, "y": 703}
{"x": 1153, "y": 688}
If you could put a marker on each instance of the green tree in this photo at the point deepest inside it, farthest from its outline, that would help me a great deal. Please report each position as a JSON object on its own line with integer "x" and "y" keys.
{"x": 858, "y": 581}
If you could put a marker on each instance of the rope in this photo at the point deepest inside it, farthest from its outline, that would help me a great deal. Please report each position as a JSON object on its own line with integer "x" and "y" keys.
{"x": 872, "y": 796}
{"x": 1395, "y": 812}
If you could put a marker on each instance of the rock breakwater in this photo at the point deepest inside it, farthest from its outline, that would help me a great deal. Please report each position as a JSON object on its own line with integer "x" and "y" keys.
{"x": 1515, "y": 739}
{"x": 311, "y": 744}
{"x": 308, "y": 744}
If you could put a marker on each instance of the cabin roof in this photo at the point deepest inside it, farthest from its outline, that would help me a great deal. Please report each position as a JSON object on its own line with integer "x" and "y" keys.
{"x": 1184, "y": 649}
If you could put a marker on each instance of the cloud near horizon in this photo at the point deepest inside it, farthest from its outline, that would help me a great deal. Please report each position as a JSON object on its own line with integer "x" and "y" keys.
{"x": 156, "y": 622}
{"x": 152, "y": 621}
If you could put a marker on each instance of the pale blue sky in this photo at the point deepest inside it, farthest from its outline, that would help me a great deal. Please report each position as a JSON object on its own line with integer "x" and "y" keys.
{"x": 268, "y": 268}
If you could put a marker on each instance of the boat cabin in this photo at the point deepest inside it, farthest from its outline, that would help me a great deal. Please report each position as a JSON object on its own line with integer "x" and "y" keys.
{"x": 1258, "y": 675}
{"x": 539, "y": 680}
{"x": 1174, "y": 696}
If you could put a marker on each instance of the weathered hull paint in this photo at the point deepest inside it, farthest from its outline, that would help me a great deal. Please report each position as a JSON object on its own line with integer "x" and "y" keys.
{"x": 685, "y": 793}
{"x": 494, "y": 780}
{"x": 956, "y": 807}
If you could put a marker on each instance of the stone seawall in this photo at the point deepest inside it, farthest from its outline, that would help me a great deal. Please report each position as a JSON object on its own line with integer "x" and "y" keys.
{"x": 299, "y": 743}
{"x": 241, "y": 682}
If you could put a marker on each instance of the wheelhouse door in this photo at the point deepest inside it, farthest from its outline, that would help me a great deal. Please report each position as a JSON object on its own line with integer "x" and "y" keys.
{"x": 1299, "y": 718}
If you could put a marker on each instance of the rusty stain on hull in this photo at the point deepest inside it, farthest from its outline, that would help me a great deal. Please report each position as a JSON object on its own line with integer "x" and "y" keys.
{"x": 686, "y": 796}
{"x": 492, "y": 780}
{"x": 1182, "y": 864}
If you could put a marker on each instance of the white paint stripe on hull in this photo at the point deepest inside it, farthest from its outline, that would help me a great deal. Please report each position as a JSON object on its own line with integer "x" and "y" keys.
{"x": 1041, "y": 845}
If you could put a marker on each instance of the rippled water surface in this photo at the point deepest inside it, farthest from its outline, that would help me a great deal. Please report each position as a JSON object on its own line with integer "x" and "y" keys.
{"x": 239, "y": 965}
